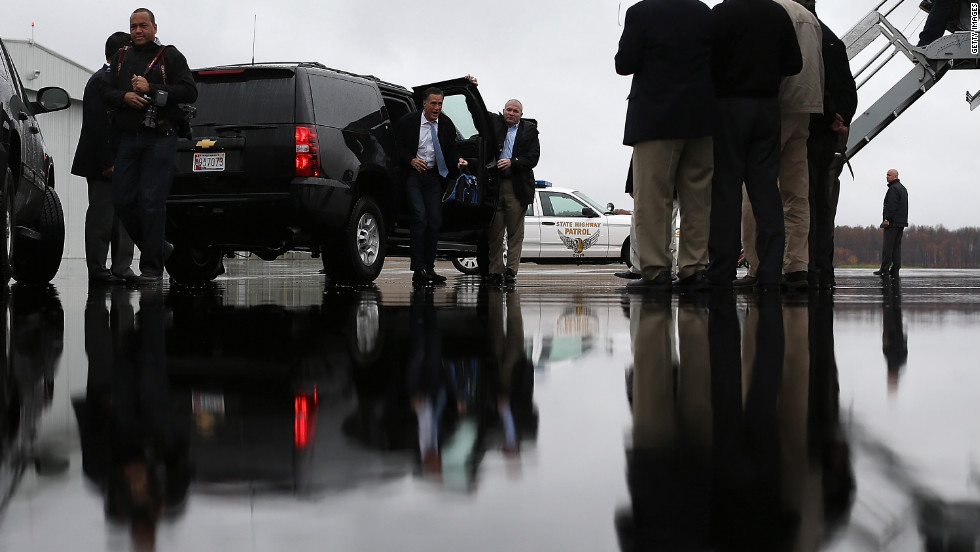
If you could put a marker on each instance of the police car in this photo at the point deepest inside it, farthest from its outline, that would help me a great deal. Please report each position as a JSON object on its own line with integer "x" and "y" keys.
{"x": 566, "y": 226}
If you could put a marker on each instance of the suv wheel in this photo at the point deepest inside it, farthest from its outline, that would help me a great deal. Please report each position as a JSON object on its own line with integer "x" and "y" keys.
{"x": 192, "y": 264}
{"x": 7, "y": 202}
{"x": 361, "y": 252}
{"x": 466, "y": 265}
{"x": 38, "y": 258}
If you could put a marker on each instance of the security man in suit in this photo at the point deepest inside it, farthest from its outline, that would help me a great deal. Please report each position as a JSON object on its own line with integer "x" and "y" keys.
{"x": 517, "y": 142}
{"x": 669, "y": 125}
{"x": 94, "y": 160}
{"x": 426, "y": 148}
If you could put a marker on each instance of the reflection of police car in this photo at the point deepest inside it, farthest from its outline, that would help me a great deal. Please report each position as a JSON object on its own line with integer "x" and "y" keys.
{"x": 567, "y": 226}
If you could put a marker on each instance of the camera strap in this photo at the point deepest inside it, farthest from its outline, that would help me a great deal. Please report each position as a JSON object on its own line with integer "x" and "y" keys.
{"x": 163, "y": 67}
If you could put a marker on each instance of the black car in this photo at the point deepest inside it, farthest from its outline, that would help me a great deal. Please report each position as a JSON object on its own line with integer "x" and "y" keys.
{"x": 33, "y": 227}
{"x": 298, "y": 156}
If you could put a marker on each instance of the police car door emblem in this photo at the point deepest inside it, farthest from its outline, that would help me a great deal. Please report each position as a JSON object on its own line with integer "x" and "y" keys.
{"x": 578, "y": 245}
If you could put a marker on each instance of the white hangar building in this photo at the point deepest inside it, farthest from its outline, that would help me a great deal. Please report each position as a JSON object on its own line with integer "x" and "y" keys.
{"x": 40, "y": 67}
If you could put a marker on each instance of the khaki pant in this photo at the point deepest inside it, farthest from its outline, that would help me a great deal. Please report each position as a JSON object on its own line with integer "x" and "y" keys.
{"x": 660, "y": 167}
{"x": 509, "y": 217}
{"x": 794, "y": 188}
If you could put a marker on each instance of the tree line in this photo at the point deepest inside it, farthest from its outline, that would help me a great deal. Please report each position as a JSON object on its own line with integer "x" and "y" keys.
{"x": 922, "y": 246}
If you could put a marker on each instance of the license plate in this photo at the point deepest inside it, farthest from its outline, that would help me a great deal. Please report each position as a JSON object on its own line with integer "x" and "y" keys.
{"x": 207, "y": 162}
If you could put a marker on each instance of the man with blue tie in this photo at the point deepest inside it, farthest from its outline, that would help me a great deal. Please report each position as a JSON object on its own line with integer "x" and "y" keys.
{"x": 427, "y": 145}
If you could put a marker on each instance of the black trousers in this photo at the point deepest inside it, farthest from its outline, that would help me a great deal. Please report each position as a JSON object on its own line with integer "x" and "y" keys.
{"x": 821, "y": 147}
{"x": 746, "y": 149}
{"x": 891, "y": 251}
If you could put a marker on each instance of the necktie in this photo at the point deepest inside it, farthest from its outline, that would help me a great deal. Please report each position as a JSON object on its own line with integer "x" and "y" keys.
{"x": 440, "y": 160}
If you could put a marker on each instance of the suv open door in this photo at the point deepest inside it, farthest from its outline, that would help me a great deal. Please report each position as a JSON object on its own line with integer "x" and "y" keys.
{"x": 477, "y": 144}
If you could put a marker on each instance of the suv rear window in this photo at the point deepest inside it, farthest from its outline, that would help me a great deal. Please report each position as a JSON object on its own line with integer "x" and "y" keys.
{"x": 264, "y": 96}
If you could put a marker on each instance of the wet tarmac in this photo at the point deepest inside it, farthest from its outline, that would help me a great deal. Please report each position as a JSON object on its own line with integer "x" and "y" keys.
{"x": 271, "y": 411}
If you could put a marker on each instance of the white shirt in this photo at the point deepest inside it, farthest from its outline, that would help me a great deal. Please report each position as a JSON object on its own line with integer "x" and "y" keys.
{"x": 426, "y": 151}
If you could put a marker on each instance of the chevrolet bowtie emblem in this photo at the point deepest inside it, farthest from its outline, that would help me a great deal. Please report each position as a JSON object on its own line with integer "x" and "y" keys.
{"x": 206, "y": 143}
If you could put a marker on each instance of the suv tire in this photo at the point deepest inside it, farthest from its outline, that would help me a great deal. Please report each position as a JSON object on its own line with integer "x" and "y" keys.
{"x": 6, "y": 249}
{"x": 37, "y": 259}
{"x": 467, "y": 265}
{"x": 360, "y": 254}
{"x": 191, "y": 264}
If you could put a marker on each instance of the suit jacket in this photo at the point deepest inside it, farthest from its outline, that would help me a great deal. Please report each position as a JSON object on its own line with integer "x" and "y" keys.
{"x": 840, "y": 91}
{"x": 407, "y": 138}
{"x": 94, "y": 152}
{"x": 666, "y": 46}
{"x": 524, "y": 157}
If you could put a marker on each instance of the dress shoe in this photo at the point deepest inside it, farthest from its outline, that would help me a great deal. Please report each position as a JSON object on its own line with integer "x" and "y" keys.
{"x": 436, "y": 278}
{"x": 745, "y": 282}
{"x": 510, "y": 278}
{"x": 146, "y": 279}
{"x": 129, "y": 276}
{"x": 881, "y": 273}
{"x": 421, "y": 277}
{"x": 102, "y": 276}
{"x": 495, "y": 279}
{"x": 695, "y": 282}
{"x": 661, "y": 283}
{"x": 796, "y": 281}
{"x": 628, "y": 275}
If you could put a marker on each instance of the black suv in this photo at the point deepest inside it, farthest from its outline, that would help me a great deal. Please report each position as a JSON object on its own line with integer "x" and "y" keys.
{"x": 33, "y": 227}
{"x": 302, "y": 157}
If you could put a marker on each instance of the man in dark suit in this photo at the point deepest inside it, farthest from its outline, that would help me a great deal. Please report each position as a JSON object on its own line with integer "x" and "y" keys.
{"x": 666, "y": 46}
{"x": 828, "y": 133}
{"x": 93, "y": 160}
{"x": 427, "y": 152}
{"x": 754, "y": 47}
{"x": 517, "y": 142}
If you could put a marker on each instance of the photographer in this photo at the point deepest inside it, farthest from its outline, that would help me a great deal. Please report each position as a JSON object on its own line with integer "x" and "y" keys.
{"x": 143, "y": 86}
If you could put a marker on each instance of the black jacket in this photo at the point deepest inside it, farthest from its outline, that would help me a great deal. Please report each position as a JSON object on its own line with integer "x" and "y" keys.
{"x": 525, "y": 155}
{"x": 407, "y": 138}
{"x": 840, "y": 91}
{"x": 754, "y": 46}
{"x": 94, "y": 152}
{"x": 666, "y": 46}
{"x": 179, "y": 84}
{"x": 896, "y": 208}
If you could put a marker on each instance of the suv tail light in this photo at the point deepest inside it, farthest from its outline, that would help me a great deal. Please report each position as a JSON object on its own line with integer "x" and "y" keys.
{"x": 307, "y": 152}
{"x": 304, "y": 420}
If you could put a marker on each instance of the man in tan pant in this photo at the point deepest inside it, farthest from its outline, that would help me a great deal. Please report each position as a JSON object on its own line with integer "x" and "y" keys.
{"x": 799, "y": 96}
{"x": 669, "y": 124}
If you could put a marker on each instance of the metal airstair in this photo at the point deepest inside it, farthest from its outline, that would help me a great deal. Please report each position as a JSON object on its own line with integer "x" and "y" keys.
{"x": 929, "y": 64}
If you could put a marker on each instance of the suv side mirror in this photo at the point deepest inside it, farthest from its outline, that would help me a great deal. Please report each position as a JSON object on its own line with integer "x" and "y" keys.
{"x": 50, "y": 98}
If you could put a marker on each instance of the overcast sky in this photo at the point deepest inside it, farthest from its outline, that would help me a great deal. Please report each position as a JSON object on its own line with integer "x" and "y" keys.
{"x": 556, "y": 57}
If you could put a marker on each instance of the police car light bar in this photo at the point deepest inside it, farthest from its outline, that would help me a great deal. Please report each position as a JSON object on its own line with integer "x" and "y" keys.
{"x": 542, "y": 184}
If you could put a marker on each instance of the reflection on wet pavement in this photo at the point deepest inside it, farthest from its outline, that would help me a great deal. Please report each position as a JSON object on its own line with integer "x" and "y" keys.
{"x": 272, "y": 410}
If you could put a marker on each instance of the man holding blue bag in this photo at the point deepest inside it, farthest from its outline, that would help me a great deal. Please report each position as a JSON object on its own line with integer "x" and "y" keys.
{"x": 427, "y": 144}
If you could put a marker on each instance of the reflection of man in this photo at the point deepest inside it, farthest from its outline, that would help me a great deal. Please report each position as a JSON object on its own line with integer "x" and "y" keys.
{"x": 669, "y": 466}
{"x": 427, "y": 151}
{"x": 668, "y": 123}
{"x": 93, "y": 160}
{"x": 517, "y": 142}
{"x": 426, "y": 380}
{"x": 894, "y": 343}
{"x": 895, "y": 217}
{"x": 144, "y": 164}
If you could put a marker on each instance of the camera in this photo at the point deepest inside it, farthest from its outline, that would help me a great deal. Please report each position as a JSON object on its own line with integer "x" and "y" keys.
{"x": 156, "y": 100}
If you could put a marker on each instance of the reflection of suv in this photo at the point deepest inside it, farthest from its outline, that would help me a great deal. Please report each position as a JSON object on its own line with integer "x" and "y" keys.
{"x": 302, "y": 157}
{"x": 33, "y": 224}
